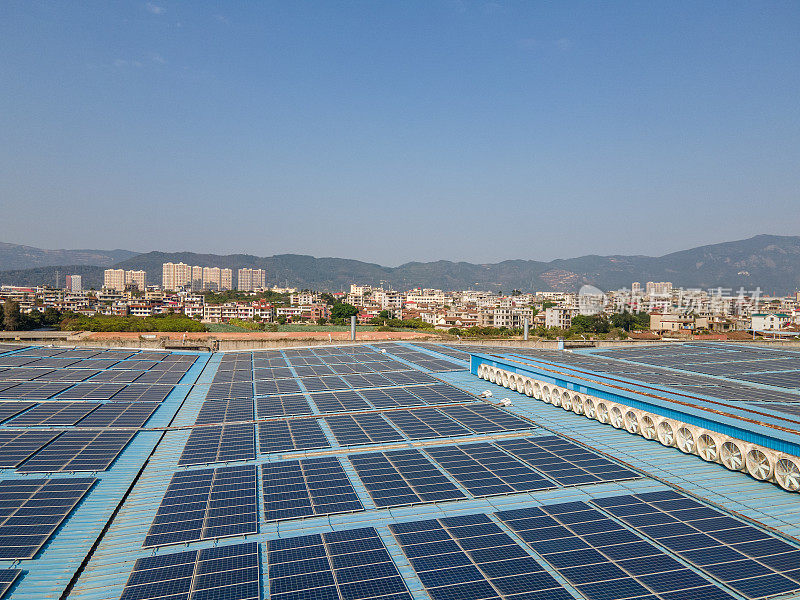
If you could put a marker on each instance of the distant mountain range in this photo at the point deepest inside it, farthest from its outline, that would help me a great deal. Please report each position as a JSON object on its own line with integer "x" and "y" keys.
{"x": 14, "y": 256}
{"x": 766, "y": 261}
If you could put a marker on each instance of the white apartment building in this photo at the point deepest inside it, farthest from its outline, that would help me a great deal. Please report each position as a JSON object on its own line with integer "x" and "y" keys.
{"x": 73, "y": 284}
{"x": 426, "y": 296}
{"x": 114, "y": 279}
{"x": 659, "y": 288}
{"x": 769, "y": 321}
{"x": 303, "y": 298}
{"x": 117, "y": 279}
{"x": 197, "y": 279}
{"x": 251, "y": 280}
{"x": 559, "y": 316}
{"x": 512, "y": 317}
{"x": 360, "y": 290}
{"x": 136, "y": 277}
{"x": 175, "y": 275}
{"x": 387, "y": 299}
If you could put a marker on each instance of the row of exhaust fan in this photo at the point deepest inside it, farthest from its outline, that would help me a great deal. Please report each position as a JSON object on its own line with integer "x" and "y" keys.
{"x": 761, "y": 463}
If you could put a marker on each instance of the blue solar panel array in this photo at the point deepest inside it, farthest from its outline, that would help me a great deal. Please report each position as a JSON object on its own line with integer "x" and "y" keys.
{"x": 355, "y": 472}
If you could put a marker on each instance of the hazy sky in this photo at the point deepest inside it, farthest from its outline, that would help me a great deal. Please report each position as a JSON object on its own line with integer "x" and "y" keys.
{"x": 397, "y": 131}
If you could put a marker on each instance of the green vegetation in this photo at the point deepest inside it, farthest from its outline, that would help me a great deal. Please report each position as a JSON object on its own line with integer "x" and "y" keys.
{"x": 76, "y": 322}
{"x": 13, "y": 319}
{"x": 394, "y": 324}
{"x": 590, "y": 324}
{"x": 342, "y": 311}
{"x": 631, "y": 321}
{"x": 237, "y": 296}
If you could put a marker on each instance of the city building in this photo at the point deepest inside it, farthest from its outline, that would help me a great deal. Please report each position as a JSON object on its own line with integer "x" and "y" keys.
{"x": 73, "y": 284}
{"x": 251, "y": 280}
{"x": 119, "y": 279}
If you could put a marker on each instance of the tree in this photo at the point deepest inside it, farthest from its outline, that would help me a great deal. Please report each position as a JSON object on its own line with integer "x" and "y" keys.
{"x": 51, "y": 317}
{"x": 12, "y": 319}
{"x": 590, "y": 324}
{"x": 629, "y": 321}
{"x": 342, "y": 311}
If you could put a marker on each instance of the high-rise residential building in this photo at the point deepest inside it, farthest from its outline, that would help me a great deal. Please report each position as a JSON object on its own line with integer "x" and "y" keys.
{"x": 211, "y": 279}
{"x": 117, "y": 279}
{"x": 659, "y": 288}
{"x": 636, "y": 288}
{"x": 226, "y": 279}
{"x": 197, "y": 279}
{"x": 175, "y": 275}
{"x": 182, "y": 276}
{"x": 249, "y": 280}
{"x": 136, "y": 277}
{"x": 114, "y": 279}
{"x": 74, "y": 284}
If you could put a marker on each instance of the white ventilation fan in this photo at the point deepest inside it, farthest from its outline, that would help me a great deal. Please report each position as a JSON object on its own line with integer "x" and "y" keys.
{"x": 486, "y": 394}
{"x": 383, "y": 351}
{"x": 505, "y": 402}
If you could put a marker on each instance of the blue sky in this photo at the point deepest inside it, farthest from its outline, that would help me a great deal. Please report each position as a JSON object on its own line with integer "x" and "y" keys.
{"x": 398, "y": 131}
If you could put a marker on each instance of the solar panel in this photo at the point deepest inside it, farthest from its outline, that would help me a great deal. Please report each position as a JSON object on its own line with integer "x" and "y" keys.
{"x": 16, "y": 445}
{"x": 237, "y": 389}
{"x": 109, "y": 376}
{"x": 749, "y": 560}
{"x": 78, "y": 451}
{"x": 134, "y": 365}
{"x": 355, "y": 430}
{"x": 52, "y": 363}
{"x": 226, "y": 572}
{"x": 273, "y": 373}
{"x": 271, "y": 387}
{"x": 472, "y": 557}
{"x": 352, "y": 368}
{"x": 425, "y": 423}
{"x": 54, "y": 413}
{"x": 441, "y": 394}
{"x": 10, "y": 409}
{"x": 225, "y": 411}
{"x": 91, "y": 391}
{"x": 15, "y": 360}
{"x": 565, "y": 462}
{"x": 408, "y": 377}
{"x": 339, "y": 401}
{"x": 7, "y": 579}
{"x": 233, "y": 375}
{"x": 158, "y": 377}
{"x": 367, "y": 380}
{"x": 483, "y": 418}
{"x": 266, "y": 363}
{"x": 351, "y": 564}
{"x": 282, "y": 406}
{"x": 97, "y": 363}
{"x": 291, "y": 434}
{"x": 142, "y": 393}
{"x": 32, "y": 390}
{"x": 601, "y": 558}
{"x": 312, "y": 370}
{"x": 386, "y": 365}
{"x": 785, "y": 379}
{"x": 206, "y": 504}
{"x": 485, "y": 470}
{"x": 69, "y": 374}
{"x": 219, "y": 443}
{"x": 120, "y": 414}
{"x": 32, "y": 509}
{"x": 17, "y": 374}
{"x": 391, "y": 397}
{"x": 402, "y": 477}
{"x": 317, "y": 384}
{"x": 304, "y": 488}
